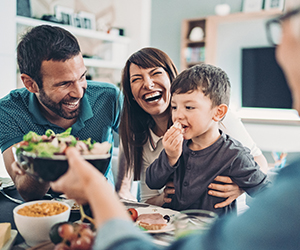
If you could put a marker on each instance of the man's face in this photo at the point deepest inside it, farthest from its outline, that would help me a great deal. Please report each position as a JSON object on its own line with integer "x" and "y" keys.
{"x": 64, "y": 85}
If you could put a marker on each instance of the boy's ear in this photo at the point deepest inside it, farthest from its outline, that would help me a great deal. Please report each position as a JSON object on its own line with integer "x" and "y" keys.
{"x": 220, "y": 112}
{"x": 29, "y": 83}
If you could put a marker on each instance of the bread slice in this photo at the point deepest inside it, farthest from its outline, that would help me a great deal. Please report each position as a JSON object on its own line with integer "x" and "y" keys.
{"x": 154, "y": 221}
{"x": 5, "y": 233}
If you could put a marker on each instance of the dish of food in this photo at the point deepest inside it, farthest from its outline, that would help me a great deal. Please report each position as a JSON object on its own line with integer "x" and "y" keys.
{"x": 167, "y": 214}
{"x": 43, "y": 156}
{"x": 72, "y": 203}
{"x": 43, "y": 209}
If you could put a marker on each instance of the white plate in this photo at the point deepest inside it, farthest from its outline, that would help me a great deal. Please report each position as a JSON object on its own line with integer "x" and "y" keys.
{"x": 11, "y": 241}
{"x": 163, "y": 212}
{"x": 72, "y": 203}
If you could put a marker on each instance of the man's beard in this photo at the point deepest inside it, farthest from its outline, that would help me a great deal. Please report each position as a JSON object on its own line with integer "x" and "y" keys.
{"x": 57, "y": 108}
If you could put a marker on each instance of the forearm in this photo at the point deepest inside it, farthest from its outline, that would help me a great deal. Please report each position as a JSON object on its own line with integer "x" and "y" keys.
{"x": 161, "y": 166}
{"x": 124, "y": 190}
{"x": 104, "y": 201}
{"x": 156, "y": 200}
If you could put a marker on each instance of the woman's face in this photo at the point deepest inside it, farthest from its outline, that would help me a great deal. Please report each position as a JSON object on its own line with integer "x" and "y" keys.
{"x": 150, "y": 88}
{"x": 288, "y": 56}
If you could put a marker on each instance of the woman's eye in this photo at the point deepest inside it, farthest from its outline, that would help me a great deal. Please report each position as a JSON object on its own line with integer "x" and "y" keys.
{"x": 135, "y": 80}
{"x": 173, "y": 108}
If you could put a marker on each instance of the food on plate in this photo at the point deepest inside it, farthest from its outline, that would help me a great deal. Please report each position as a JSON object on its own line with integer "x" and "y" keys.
{"x": 67, "y": 235}
{"x": 51, "y": 144}
{"x": 167, "y": 218}
{"x": 153, "y": 221}
{"x": 5, "y": 233}
{"x": 133, "y": 213}
{"x": 42, "y": 209}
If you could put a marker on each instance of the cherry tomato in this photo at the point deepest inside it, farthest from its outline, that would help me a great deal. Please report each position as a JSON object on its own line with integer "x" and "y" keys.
{"x": 133, "y": 213}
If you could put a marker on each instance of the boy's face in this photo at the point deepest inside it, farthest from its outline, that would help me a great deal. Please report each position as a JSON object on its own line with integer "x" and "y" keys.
{"x": 195, "y": 112}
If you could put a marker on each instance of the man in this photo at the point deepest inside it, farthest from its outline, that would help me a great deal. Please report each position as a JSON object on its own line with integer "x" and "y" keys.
{"x": 56, "y": 96}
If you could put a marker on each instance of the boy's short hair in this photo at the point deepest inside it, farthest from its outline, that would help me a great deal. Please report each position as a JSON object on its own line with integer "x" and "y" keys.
{"x": 44, "y": 43}
{"x": 212, "y": 80}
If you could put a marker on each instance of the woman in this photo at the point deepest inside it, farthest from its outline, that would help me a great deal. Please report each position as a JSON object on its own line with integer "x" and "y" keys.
{"x": 270, "y": 224}
{"x": 146, "y": 80}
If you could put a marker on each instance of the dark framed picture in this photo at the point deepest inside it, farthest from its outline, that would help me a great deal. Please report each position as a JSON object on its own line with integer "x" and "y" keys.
{"x": 24, "y": 8}
{"x": 252, "y": 5}
{"x": 274, "y": 4}
{"x": 64, "y": 14}
{"x": 77, "y": 21}
{"x": 88, "y": 20}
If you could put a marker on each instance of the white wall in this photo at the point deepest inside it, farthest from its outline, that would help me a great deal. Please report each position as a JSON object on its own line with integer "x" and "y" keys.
{"x": 232, "y": 37}
{"x": 7, "y": 47}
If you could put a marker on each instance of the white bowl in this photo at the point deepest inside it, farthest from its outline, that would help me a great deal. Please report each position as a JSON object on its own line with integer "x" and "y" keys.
{"x": 35, "y": 230}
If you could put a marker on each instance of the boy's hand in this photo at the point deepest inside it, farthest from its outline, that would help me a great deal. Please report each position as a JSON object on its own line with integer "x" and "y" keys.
{"x": 172, "y": 142}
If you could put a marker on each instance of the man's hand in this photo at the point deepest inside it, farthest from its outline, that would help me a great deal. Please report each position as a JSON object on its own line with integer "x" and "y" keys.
{"x": 228, "y": 190}
{"x": 16, "y": 168}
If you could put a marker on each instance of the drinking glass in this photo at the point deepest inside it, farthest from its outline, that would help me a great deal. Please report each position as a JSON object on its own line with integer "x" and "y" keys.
{"x": 193, "y": 221}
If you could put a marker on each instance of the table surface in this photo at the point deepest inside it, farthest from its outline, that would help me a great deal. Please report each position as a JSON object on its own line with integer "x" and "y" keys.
{"x": 6, "y": 215}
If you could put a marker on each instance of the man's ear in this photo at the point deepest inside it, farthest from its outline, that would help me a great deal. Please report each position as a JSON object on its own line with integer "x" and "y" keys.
{"x": 29, "y": 83}
{"x": 220, "y": 112}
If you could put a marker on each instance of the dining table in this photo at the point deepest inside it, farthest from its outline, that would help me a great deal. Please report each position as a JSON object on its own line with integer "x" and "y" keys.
{"x": 10, "y": 198}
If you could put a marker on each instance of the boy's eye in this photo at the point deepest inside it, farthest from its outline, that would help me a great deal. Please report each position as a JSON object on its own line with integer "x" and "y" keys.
{"x": 189, "y": 107}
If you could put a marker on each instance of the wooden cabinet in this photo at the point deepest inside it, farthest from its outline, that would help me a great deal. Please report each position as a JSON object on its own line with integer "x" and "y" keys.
{"x": 193, "y": 50}
{"x": 204, "y": 49}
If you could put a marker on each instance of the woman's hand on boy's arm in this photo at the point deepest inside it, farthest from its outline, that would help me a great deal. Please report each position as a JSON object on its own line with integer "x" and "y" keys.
{"x": 228, "y": 190}
{"x": 159, "y": 200}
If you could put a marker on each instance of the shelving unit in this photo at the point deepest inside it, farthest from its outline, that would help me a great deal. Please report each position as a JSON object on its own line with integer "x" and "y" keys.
{"x": 80, "y": 33}
{"x": 204, "y": 50}
{"x": 193, "y": 52}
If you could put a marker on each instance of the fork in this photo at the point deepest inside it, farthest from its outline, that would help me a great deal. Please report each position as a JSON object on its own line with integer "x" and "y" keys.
{"x": 10, "y": 198}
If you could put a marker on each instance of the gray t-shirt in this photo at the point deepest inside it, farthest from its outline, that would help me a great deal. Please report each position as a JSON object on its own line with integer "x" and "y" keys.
{"x": 195, "y": 170}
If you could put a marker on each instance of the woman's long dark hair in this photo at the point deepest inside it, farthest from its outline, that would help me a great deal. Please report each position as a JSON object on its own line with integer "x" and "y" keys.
{"x": 135, "y": 122}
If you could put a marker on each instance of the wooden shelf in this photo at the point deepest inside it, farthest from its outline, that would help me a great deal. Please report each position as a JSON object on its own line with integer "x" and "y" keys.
{"x": 84, "y": 33}
{"x": 209, "y": 26}
{"x": 76, "y": 31}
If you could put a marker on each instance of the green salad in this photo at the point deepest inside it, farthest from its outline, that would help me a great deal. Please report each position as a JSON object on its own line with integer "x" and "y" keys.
{"x": 51, "y": 144}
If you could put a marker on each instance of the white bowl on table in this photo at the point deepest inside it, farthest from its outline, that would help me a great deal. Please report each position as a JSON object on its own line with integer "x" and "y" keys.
{"x": 35, "y": 230}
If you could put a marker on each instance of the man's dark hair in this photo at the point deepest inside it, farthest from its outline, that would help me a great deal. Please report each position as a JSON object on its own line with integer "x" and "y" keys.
{"x": 44, "y": 43}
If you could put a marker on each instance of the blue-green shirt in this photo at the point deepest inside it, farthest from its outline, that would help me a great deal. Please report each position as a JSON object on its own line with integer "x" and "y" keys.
{"x": 99, "y": 117}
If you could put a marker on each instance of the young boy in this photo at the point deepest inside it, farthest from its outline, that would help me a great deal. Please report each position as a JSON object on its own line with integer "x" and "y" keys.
{"x": 195, "y": 150}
